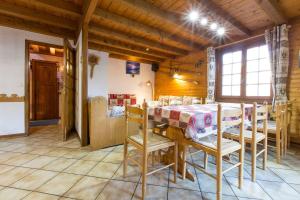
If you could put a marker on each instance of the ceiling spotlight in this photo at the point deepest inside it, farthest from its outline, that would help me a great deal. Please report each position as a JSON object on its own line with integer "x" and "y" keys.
{"x": 193, "y": 16}
{"x": 203, "y": 21}
{"x": 147, "y": 49}
{"x": 213, "y": 26}
{"x": 221, "y": 31}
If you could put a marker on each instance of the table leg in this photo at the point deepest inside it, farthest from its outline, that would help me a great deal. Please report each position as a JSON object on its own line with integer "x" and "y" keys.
{"x": 177, "y": 134}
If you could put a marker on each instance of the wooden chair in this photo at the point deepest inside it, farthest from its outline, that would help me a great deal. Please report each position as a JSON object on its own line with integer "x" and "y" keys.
{"x": 219, "y": 147}
{"x": 253, "y": 137}
{"x": 277, "y": 129}
{"x": 145, "y": 142}
{"x": 288, "y": 119}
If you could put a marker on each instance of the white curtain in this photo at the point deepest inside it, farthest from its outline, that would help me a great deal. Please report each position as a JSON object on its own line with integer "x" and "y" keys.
{"x": 278, "y": 45}
{"x": 211, "y": 74}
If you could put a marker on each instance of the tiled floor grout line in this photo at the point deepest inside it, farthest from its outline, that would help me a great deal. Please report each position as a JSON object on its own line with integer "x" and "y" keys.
{"x": 168, "y": 186}
{"x": 285, "y": 180}
{"x": 196, "y": 176}
{"x": 86, "y": 176}
{"x": 109, "y": 182}
{"x": 135, "y": 189}
{"x": 54, "y": 147}
{"x": 263, "y": 189}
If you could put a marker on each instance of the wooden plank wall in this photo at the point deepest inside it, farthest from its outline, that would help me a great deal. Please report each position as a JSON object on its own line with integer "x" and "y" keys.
{"x": 294, "y": 81}
{"x": 167, "y": 85}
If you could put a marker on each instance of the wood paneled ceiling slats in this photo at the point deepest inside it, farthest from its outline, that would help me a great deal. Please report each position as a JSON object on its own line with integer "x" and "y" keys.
{"x": 164, "y": 16}
{"x": 32, "y": 26}
{"x": 35, "y": 15}
{"x": 127, "y": 46}
{"x": 103, "y": 31}
{"x": 54, "y": 6}
{"x": 246, "y": 11}
{"x": 129, "y": 27}
{"x": 290, "y": 8}
{"x": 271, "y": 8}
{"x": 139, "y": 27}
{"x": 123, "y": 52}
{"x": 220, "y": 15}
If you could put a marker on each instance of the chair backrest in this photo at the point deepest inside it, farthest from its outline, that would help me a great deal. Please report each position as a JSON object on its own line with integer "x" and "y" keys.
{"x": 259, "y": 113}
{"x": 140, "y": 117}
{"x": 232, "y": 117}
{"x": 289, "y": 110}
{"x": 281, "y": 115}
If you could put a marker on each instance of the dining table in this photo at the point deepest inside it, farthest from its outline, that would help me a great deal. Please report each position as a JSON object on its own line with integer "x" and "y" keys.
{"x": 191, "y": 121}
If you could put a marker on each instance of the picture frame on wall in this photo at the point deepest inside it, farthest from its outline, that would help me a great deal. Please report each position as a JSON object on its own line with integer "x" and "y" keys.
{"x": 132, "y": 68}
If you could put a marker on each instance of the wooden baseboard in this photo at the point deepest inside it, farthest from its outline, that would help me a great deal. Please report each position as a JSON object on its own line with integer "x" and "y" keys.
{"x": 13, "y": 135}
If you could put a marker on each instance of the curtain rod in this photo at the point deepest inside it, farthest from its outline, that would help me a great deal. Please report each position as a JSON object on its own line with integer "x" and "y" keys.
{"x": 242, "y": 40}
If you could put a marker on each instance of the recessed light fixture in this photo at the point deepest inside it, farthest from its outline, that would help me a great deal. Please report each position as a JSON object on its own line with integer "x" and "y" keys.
{"x": 213, "y": 26}
{"x": 193, "y": 16}
{"x": 147, "y": 49}
{"x": 221, "y": 31}
{"x": 203, "y": 21}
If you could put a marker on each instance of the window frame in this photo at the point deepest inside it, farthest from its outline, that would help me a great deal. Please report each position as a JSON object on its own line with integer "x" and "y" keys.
{"x": 219, "y": 73}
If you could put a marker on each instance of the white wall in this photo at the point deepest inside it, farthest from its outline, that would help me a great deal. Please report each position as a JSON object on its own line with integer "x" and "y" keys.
{"x": 98, "y": 85}
{"x": 121, "y": 83}
{"x": 110, "y": 77}
{"x": 12, "y": 74}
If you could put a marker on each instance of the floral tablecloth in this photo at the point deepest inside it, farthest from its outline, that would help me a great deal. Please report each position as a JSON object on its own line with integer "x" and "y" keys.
{"x": 198, "y": 120}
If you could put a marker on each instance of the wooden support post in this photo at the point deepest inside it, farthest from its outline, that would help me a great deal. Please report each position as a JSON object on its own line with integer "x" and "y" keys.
{"x": 84, "y": 114}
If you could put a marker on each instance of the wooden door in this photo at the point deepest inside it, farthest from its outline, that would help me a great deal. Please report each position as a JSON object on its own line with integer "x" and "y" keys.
{"x": 45, "y": 99}
{"x": 68, "y": 116}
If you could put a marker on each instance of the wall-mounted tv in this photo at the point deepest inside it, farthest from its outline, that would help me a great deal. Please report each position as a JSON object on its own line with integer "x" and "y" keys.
{"x": 132, "y": 67}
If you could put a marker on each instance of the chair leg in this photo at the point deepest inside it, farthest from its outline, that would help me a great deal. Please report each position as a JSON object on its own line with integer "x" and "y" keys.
{"x": 219, "y": 177}
{"x": 144, "y": 175}
{"x": 125, "y": 159}
{"x": 184, "y": 162}
{"x": 153, "y": 158}
{"x": 278, "y": 143}
{"x": 205, "y": 160}
{"x": 253, "y": 160}
{"x": 175, "y": 161}
{"x": 265, "y": 159}
{"x": 241, "y": 168}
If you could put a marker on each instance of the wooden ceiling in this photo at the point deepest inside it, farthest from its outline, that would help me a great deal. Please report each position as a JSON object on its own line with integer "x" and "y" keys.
{"x": 151, "y": 30}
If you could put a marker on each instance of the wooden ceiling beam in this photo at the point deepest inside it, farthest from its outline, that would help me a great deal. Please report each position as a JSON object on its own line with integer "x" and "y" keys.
{"x": 272, "y": 9}
{"x": 88, "y": 9}
{"x": 166, "y": 37}
{"x": 221, "y": 14}
{"x": 37, "y": 16}
{"x": 35, "y": 27}
{"x": 58, "y": 6}
{"x": 122, "y": 45}
{"x": 130, "y": 58}
{"x": 136, "y": 40}
{"x": 167, "y": 17}
{"x": 123, "y": 52}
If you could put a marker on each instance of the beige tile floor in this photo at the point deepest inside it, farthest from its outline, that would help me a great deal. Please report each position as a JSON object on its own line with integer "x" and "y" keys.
{"x": 42, "y": 167}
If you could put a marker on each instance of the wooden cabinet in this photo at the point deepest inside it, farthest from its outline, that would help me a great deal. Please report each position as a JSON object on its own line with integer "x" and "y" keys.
{"x": 104, "y": 131}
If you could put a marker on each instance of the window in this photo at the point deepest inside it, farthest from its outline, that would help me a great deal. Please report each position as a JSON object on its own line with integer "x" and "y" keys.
{"x": 258, "y": 72}
{"x": 231, "y": 77}
{"x": 244, "y": 72}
